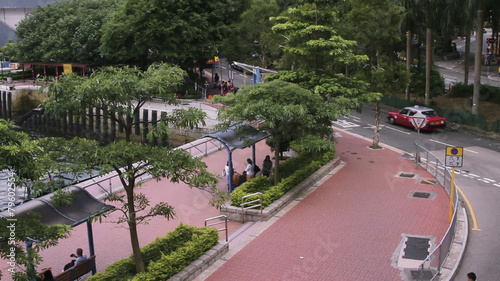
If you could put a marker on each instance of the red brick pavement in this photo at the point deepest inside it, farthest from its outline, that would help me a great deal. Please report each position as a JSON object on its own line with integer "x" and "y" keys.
{"x": 350, "y": 227}
{"x": 112, "y": 241}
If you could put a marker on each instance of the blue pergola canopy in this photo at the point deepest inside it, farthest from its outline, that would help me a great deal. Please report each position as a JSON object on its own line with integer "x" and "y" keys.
{"x": 83, "y": 207}
{"x": 238, "y": 136}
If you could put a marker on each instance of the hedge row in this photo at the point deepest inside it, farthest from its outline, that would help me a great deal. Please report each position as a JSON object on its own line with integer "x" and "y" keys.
{"x": 293, "y": 171}
{"x": 487, "y": 92}
{"x": 164, "y": 257}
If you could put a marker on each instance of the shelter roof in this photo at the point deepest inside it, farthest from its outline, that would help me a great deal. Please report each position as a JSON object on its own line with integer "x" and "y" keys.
{"x": 239, "y": 136}
{"x": 83, "y": 207}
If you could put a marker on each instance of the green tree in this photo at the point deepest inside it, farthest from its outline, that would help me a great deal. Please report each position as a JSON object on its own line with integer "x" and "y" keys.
{"x": 377, "y": 26}
{"x": 251, "y": 39}
{"x": 14, "y": 235}
{"x": 179, "y": 31}
{"x": 17, "y": 152}
{"x": 64, "y": 31}
{"x": 121, "y": 93}
{"x": 317, "y": 58}
{"x": 285, "y": 111}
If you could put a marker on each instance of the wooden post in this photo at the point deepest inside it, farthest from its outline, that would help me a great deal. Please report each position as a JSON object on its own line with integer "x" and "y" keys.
{"x": 137, "y": 124}
{"x": 145, "y": 125}
{"x": 154, "y": 123}
{"x": 164, "y": 141}
{"x": 113, "y": 127}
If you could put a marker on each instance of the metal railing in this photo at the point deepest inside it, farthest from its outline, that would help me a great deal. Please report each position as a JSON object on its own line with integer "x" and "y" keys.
{"x": 222, "y": 220}
{"x": 252, "y": 204}
{"x": 436, "y": 258}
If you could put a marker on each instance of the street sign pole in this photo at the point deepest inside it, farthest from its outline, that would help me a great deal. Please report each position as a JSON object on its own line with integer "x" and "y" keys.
{"x": 453, "y": 159}
{"x": 452, "y": 193}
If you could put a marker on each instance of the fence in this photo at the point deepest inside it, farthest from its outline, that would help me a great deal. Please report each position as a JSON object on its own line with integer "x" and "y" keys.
{"x": 432, "y": 265}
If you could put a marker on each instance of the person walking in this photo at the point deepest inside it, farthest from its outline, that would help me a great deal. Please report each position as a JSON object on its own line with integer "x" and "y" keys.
{"x": 471, "y": 276}
{"x": 267, "y": 166}
{"x": 216, "y": 80}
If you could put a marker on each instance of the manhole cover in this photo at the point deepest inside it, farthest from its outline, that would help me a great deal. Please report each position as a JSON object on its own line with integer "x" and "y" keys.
{"x": 406, "y": 175}
{"x": 416, "y": 248}
{"x": 421, "y": 195}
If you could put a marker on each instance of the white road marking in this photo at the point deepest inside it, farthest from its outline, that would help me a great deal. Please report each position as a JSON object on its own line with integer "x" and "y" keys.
{"x": 389, "y": 127}
{"x": 345, "y": 124}
{"x": 447, "y": 144}
{"x": 497, "y": 185}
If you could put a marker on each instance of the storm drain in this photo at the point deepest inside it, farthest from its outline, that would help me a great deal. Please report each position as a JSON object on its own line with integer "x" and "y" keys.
{"x": 428, "y": 181}
{"x": 425, "y": 195}
{"x": 421, "y": 275}
{"x": 406, "y": 175}
{"x": 417, "y": 248}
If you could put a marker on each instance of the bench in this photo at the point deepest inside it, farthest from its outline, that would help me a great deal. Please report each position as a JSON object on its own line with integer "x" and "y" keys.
{"x": 77, "y": 271}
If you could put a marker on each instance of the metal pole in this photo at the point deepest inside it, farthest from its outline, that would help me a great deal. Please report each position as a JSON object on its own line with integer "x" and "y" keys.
{"x": 452, "y": 193}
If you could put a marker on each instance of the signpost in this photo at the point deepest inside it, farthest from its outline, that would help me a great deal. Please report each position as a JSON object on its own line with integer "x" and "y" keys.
{"x": 453, "y": 158}
{"x": 418, "y": 121}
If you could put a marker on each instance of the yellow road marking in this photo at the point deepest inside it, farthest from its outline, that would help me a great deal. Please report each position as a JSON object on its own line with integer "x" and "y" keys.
{"x": 471, "y": 210}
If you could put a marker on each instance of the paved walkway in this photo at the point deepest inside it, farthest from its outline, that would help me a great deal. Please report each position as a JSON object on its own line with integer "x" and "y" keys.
{"x": 352, "y": 227}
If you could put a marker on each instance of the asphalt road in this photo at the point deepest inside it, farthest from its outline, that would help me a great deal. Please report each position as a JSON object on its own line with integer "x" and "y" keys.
{"x": 478, "y": 179}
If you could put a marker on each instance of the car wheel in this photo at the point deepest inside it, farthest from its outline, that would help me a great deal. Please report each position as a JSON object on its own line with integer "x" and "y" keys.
{"x": 391, "y": 120}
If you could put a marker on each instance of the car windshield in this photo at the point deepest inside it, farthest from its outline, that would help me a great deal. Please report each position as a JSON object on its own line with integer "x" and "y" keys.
{"x": 429, "y": 113}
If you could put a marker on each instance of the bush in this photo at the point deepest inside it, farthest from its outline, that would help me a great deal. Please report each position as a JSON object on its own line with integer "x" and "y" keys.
{"x": 460, "y": 90}
{"x": 293, "y": 170}
{"x": 169, "y": 265}
{"x": 178, "y": 248}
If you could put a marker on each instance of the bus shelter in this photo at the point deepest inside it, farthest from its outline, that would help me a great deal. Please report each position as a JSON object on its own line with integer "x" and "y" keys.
{"x": 83, "y": 207}
{"x": 238, "y": 136}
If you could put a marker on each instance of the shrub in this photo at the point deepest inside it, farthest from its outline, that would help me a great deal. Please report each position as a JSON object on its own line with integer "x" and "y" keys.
{"x": 294, "y": 171}
{"x": 460, "y": 90}
{"x": 174, "y": 244}
{"x": 170, "y": 264}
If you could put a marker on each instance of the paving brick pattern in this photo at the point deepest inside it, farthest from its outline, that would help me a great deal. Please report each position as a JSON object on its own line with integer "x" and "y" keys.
{"x": 350, "y": 227}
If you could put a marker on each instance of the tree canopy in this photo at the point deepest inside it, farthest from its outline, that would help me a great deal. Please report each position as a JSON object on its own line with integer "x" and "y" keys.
{"x": 121, "y": 93}
{"x": 179, "y": 31}
{"x": 65, "y": 31}
{"x": 285, "y": 111}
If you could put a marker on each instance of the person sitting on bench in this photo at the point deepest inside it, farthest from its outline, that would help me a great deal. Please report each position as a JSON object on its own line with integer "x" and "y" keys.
{"x": 79, "y": 258}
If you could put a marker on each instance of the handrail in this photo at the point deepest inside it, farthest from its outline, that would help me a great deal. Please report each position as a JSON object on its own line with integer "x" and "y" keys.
{"x": 450, "y": 232}
{"x": 249, "y": 204}
{"x": 217, "y": 223}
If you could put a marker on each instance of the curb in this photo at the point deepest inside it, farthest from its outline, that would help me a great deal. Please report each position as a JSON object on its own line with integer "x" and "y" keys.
{"x": 191, "y": 271}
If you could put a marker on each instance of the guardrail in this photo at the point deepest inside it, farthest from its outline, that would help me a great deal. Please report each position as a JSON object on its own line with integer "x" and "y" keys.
{"x": 432, "y": 265}
{"x": 224, "y": 221}
{"x": 251, "y": 204}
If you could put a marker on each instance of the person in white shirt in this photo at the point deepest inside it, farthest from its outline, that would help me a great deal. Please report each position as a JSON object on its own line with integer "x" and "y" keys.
{"x": 249, "y": 169}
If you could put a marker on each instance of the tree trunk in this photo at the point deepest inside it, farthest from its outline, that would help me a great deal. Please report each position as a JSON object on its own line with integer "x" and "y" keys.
{"x": 408, "y": 63}
{"x": 376, "y": 132}
{"x": 477, "y": 62}
{"x": 276, "y": 162}
{"x": 428, "y": 65}
{"x": 132, "y": 224}
{"x": 467, "y": 57}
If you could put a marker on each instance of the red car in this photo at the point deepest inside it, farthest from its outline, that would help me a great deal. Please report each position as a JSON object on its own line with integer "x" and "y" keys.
{"x": 404, "y": 117}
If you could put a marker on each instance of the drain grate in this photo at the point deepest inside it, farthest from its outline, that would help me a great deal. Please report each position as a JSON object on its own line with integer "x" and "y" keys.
{"x": 421, "y": 275}
{"x": 425, "y": 195}
{"x": 416, "y": 248}
{"x": 428, "y": 181}
{"x": 406, "y": 175}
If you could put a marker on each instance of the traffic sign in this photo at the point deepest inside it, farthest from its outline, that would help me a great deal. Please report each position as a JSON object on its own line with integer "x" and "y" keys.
{"x": 491, "y": 40}
{"x": 454, "y": 156}
{"x": 418, "y": 121}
